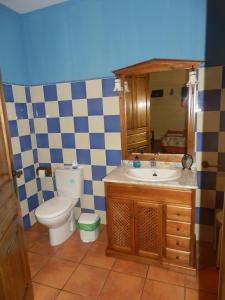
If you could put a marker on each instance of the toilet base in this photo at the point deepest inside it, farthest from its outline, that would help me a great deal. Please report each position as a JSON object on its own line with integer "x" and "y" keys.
{"x": 60, "y": 234}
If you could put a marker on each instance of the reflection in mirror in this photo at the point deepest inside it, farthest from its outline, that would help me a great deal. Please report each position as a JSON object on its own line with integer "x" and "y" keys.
{"x": 157, "y": 112}
{"x": 169, "y": 111}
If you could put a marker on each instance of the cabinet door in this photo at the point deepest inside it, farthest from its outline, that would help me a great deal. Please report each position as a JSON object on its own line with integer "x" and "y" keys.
{"x": 148, "y": 228}
{"x": 120, "y": 224}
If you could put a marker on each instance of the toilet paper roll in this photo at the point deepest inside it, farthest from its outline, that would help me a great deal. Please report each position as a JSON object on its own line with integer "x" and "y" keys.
{"x": 41, "y": 173}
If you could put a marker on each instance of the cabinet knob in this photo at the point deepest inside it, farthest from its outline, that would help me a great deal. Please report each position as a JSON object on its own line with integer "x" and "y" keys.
{"x": 178, "y": 229}
{"x": 178, "y": 214}
{"x": 177, "y": 257}
{"x": 177, "y": 243}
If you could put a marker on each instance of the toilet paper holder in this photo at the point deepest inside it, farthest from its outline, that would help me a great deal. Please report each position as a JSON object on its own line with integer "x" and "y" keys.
{"x": 47, "y": 171}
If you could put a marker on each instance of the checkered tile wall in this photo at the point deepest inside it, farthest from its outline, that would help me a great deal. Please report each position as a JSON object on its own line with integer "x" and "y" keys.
{"x": 21, "y": 126}
{"x": 210, "y": 146}
{"x": 80, "y": 120}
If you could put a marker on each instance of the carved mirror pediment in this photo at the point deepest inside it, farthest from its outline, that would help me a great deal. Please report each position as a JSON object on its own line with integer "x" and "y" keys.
{"x": 157, "y": 109}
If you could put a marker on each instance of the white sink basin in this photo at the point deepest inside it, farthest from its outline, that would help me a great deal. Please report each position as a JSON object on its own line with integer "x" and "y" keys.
{"x": 149, "y": 174}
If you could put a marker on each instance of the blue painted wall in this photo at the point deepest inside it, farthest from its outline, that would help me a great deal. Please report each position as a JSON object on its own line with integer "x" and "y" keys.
{"x": 82, "y": 39}
{"x": 12, "y": 56}
{"x": 215, "y": 33}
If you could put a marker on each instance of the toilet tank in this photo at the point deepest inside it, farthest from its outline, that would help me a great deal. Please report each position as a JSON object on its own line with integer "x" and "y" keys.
{"x": 69, "y": 182}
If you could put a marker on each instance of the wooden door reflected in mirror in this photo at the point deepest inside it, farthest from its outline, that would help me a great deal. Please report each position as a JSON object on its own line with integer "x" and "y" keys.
{"x": 157, "y": 110}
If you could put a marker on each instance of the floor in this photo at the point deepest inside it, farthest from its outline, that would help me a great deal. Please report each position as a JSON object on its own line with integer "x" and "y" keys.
{"x": 79, "y": 271}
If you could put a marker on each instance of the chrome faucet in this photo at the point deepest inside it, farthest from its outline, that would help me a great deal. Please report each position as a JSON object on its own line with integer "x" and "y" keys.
{"x": 153, "y": 162}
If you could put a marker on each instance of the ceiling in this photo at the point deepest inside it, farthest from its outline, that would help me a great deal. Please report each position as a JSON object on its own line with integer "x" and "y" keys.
{"x": 24, "y": 6}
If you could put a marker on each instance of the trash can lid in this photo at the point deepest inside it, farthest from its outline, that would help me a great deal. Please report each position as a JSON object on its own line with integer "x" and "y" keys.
{"x": 87, "y": 218}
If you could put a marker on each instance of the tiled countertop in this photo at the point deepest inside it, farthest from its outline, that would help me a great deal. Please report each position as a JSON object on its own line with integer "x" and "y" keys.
{"x": 187, "y": 179}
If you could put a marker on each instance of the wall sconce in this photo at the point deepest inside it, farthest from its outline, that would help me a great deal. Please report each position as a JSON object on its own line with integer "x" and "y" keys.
{"x": 192, "y": 78}
{"x": 118, "y": 87}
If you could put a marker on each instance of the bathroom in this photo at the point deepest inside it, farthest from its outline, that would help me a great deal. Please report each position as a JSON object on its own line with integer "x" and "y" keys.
{"x": 57, "y": 60}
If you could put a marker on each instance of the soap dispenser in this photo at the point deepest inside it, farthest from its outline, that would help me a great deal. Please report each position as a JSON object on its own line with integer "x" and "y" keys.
{"x": 136, "y": 162}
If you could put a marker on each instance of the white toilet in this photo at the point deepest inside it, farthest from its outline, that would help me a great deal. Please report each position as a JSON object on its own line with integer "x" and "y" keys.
{"x": 58, "y": 213}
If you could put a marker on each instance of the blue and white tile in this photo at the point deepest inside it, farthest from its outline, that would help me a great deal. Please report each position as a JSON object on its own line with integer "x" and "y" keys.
{"x": 210, "y": 78}
{"x": 40, "y": 125}
{"x": 52, "y": 109}
{"x": 31, "y": 188}
{"x": 37, "y": 93}
{"x": 222, "y": 100}
{"x": 102, "y": 216}
{"x": 111, "y": 106}
{"x": 55, "y": 140}
{"x": 15, "y": 145}
{"x": 69, "y": 156}
{"x": 221, "y": 147}
{"x": 211, "y": 157}
{"x": 112, "y": 141}
{"x": 94, "y": 88}
{"x": 27, "y": 158}
{"x": 80, "y": 107}
{"x": 87, "y": 172}
{"x": 208, "y": 121}
{"x": 66, "y": 124}
{"x": 98, "y": 188}
{"x": 19, "y": 94}
{"x": 64, "y": 91}
{"x": 23, "y": 127}
{"x": 205, "y": 198}
{"x": 43, "y": 155}
{"x": 24, "y": 207}
{"x": 87, "y": 201}
{"x": 82, "y": 141}
{"x": 98, "y": 157}
{"x": 96, "y": 124}
{"x": 11, "y": 111}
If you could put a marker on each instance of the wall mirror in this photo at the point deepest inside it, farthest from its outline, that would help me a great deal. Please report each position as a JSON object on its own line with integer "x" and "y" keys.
{"x": 157, "y": 109}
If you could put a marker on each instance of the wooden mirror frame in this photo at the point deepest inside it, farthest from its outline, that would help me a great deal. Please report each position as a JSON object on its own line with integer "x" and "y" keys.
{"x": 151, "y": 66}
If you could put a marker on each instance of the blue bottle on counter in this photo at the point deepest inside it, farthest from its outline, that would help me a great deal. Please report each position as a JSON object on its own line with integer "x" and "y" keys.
{"x": 136, "y": 162}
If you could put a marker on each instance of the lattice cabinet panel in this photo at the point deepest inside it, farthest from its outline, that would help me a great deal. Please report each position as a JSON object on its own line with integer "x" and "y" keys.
{"x": 148, "y": 228}
{"x": 121, "y": 224}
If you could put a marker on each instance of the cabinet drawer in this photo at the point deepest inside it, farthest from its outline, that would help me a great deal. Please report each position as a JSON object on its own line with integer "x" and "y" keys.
{"x": 180, "y": 229}
{"x": 178, "y": 213}
{"x": 178, "y": 256}
{"x": 178, "y": 243}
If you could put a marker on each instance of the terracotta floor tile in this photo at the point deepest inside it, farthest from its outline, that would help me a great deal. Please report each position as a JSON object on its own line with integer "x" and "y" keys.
{"x": 43, "y": 247}
{"x": 69, "y": 296}
{"x": 156, "y": 290}
{"x": 36, "y": 262}
{"x": 42, "y": 292}
{"x": 103, "y": 237}
{"x": 130, "y": 267}
{"x": 162, "y": 274}
{"x": 199, "y": 295}
{"x": 96, "y": 257}
{"x": 30, "y": 237}
{"x": 206, "y": 280}
{"x": 86, "y": 281}
{"x": 73, "y": 250}
{"x": 121, "y": 286}
{"x": 102, "y": 227}
{"x": 55, "y": 273}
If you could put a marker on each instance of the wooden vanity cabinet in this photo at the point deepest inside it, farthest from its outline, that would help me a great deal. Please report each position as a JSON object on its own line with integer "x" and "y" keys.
{"x": 146, "y": 223}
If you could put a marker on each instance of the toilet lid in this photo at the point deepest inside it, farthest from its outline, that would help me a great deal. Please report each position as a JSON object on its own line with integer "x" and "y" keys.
{"x": 53, "y": 207}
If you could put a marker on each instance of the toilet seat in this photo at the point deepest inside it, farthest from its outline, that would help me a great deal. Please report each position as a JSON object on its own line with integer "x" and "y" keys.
{"x": 53, "y": 207}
